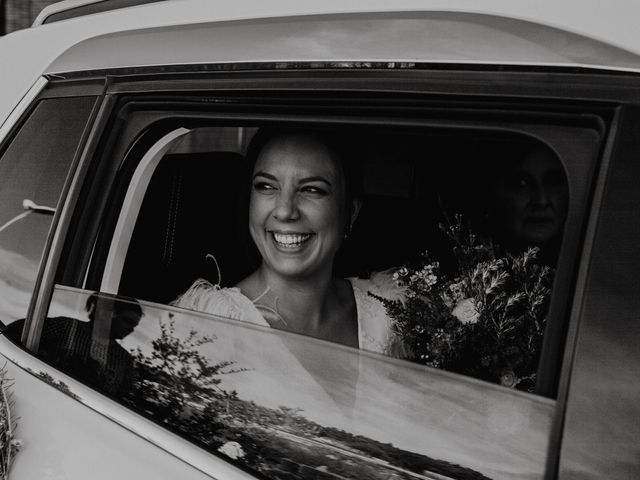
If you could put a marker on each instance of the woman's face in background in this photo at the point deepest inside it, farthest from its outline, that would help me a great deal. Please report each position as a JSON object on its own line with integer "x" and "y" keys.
{"x": 297, "y": 207}
{"x": 530, "y": 200}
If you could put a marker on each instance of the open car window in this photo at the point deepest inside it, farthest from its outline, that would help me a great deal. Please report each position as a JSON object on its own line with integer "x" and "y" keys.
{"x": 435, "y": 248}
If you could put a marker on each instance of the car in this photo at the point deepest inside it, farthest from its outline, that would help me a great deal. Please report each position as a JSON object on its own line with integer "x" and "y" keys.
{"x": 126, "y": 131}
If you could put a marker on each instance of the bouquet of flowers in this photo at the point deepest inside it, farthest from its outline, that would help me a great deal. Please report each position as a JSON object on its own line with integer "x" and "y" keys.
{"x": 485, "y": 319}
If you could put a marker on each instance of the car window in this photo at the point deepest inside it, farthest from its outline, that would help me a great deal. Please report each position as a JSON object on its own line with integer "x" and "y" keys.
{"x": 33, "y": 168}
{"x": 458, "y": 259}
{"x": 457, "y": 241}
{"x": 281, "y": 404}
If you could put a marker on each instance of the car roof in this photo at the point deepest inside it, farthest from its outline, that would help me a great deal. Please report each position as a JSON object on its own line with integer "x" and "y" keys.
{"x": 360, "y": 38}
{"x": 500, "y": 32}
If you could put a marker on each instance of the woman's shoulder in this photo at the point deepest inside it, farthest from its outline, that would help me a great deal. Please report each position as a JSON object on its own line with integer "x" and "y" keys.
{"x": 202, "y": 296}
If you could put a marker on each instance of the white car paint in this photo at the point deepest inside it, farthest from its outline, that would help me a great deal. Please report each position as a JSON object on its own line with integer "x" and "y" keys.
{"x": 83, "y": 437}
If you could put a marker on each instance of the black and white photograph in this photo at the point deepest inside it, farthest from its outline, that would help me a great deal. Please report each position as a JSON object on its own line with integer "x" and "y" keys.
{"x": 319, "y": 240}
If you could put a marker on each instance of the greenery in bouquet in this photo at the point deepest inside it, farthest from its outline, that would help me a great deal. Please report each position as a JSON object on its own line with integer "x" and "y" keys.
{"x": 484, "y": 319}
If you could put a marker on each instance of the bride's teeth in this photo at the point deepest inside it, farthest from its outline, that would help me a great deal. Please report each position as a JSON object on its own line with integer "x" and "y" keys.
{"x": 290, "y": 240}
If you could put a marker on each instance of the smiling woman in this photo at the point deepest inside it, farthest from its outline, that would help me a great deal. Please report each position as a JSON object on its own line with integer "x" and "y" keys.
{"x": 303, "y": 202}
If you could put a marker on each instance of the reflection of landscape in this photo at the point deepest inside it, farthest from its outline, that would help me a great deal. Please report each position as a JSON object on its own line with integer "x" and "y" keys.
{"x": 283, "y": 404}
{"x": 175, "y": 384}
{"x": 281, "y": 444}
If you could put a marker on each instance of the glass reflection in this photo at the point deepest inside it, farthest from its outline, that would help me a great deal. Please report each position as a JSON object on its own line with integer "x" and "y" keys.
{"x": 295, "y": 407}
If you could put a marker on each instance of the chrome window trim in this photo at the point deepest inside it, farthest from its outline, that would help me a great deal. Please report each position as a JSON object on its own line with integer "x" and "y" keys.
{"x": 58, "y": 7}
{"x": 131, "y": 207}
{"x": 347, "y": 64}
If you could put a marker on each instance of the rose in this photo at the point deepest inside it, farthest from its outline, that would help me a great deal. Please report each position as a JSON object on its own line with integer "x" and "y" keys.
{"x": 466, "y": 311}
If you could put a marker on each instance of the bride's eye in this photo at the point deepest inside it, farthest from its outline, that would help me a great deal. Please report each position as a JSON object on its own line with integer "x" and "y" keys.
{"x": 313, "y": 190}
{"x": 263, "y": 187}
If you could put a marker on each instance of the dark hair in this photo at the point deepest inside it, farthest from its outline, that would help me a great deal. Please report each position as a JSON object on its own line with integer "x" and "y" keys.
{"x": 340, "y": 147}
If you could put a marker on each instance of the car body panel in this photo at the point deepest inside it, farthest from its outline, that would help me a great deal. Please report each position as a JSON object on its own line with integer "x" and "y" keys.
{"x": 84, "y": 435}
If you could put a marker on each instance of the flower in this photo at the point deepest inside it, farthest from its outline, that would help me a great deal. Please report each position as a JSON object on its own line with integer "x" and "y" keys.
{"x": 484, "y": 317}
{"x": 232, "y": 450}
{"x": 403, "y": 272}
{"x": 427, "y": 274}
{"x": 466, "y": 311}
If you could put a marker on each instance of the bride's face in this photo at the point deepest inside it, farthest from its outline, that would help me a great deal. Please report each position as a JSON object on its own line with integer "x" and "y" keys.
{"x": 297, "y": 207}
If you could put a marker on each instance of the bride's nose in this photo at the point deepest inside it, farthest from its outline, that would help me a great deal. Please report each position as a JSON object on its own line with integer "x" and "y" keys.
{"x": 286, "y": 207}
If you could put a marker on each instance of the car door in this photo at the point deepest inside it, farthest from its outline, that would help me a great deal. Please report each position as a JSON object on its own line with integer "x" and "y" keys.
{"x": 165, "y": 160}
{"x": 58, "y": 437}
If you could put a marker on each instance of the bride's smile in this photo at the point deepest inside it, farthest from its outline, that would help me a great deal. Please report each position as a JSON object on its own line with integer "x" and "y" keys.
{"x": 290, "y": 241}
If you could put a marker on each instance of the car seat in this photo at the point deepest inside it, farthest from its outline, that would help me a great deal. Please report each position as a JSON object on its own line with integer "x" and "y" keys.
{"x": 189, "y": 216}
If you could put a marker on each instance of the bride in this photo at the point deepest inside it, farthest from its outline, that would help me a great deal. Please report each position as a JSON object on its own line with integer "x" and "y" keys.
{"x": 302, "y": 205}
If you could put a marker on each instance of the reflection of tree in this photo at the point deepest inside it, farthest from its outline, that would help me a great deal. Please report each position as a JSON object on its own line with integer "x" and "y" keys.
{"x": 179, "y": 387}
{"x": 176, "y": 384}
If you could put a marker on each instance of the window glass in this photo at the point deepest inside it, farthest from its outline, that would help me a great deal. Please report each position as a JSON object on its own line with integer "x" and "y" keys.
{"x": 291, "y": 406}
{"x": 33, "y": 169}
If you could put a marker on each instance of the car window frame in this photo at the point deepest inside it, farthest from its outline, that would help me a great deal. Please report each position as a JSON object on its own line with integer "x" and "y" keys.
{"x": 152, "y": 114}
{"x": 50, "y": 254}
{"x": 618, "y": 161}
{"x": 45, "y": 279}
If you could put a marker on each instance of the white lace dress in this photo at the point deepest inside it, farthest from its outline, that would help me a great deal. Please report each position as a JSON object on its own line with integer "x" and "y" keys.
{"x": 374, "y": 326}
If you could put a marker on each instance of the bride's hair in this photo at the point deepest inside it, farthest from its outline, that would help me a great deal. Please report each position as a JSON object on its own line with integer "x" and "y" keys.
{"x": 340, "y": 146}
